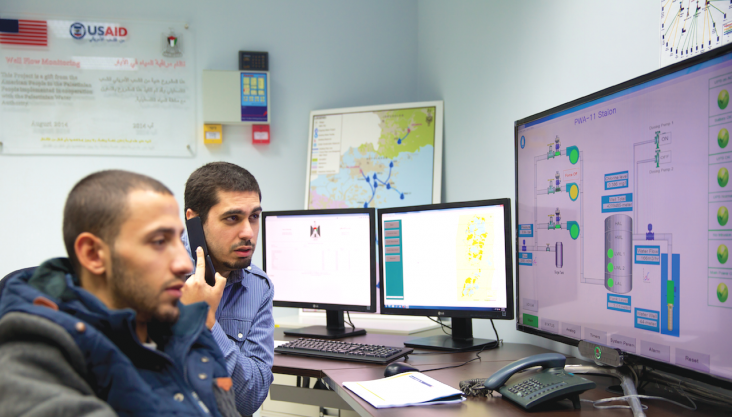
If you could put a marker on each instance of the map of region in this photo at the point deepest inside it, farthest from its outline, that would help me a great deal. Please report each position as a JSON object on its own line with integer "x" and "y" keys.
{"x": 372, "y": 159}
{"x": 474, "y": 252}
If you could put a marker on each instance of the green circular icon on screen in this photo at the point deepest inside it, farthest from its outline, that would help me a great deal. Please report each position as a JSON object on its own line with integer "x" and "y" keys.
{"x": 573, "y": 156}
{"x": 574, "y": 231}
{"x": 723, "y": 99}
{"x": 722, "y": 254}
{"x": 723, "y": 138}
{"x": 722, "y": 292}
{"x": 610, "y": 282}
{"x": 598, "y": 352}
{"x": 610, "y": 267}
{"x": 722, "y": 215}
{"x": 723, "y": 177}
{"x": 610, "y": 253}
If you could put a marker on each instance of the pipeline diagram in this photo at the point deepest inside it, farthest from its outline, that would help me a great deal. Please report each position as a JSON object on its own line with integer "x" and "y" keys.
{"x": 625, "y": 245}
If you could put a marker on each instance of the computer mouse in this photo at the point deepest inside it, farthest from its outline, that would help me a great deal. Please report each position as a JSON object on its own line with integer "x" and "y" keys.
{"x": 396, "y": 368}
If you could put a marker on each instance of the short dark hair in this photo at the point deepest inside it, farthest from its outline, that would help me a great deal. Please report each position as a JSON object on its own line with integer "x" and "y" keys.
{"x": 98, "y": 204}
{"x": 204, "y": 184}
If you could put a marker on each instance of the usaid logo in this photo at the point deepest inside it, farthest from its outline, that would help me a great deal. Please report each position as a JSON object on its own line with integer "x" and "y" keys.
{"x": 77, "y": 30}
{"x": 97, "y": 32}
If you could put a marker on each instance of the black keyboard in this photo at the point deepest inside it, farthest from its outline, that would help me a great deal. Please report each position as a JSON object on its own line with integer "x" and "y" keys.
{"x": 345, "y": 351}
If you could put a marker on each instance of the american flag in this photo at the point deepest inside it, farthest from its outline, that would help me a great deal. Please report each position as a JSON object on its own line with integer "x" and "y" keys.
{"x": 23, "y": 32}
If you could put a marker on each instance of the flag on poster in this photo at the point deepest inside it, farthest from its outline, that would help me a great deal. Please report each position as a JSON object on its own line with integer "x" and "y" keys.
{"x": 23, "y": 32}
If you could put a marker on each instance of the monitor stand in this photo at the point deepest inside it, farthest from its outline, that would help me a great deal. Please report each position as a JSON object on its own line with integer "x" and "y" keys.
{"x": 461, "y": 340}
{"x": 335, "y": 328}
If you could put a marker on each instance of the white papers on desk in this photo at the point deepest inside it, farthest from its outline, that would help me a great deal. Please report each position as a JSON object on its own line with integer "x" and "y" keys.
{"x": 410, "y": 388}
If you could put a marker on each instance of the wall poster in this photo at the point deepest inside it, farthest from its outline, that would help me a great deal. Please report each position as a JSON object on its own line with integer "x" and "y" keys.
{"x": 89, "y": 87}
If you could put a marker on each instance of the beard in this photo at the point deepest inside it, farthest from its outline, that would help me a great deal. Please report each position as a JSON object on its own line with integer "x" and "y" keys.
{"x": 242, "y": 262}
{"x": 129, "y": 290}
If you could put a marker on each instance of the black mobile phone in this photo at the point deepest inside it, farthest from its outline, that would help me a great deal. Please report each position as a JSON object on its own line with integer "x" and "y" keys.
{"x": 196, "y": 239}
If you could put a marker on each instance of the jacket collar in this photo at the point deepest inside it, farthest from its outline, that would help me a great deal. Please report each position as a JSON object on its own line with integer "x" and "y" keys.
{"x": 56, "y": 280}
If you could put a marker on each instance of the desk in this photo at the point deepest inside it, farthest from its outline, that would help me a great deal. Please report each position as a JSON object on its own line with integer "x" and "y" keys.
{"x": 495, "y": 406}
{"x": 335, "y": 373}
{"x": 285, "y": 390}
{"x": 316, "y": 368}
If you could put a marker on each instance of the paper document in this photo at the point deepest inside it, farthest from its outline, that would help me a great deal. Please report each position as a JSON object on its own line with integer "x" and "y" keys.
{"x": 410, "y": 388}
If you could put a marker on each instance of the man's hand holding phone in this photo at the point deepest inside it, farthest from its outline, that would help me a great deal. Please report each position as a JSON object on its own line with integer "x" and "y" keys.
{"x": 196, "y": 289}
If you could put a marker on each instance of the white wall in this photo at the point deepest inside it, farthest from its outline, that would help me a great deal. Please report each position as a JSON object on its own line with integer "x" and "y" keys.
{"x": 496, "y": 62}
{"x": 323, "y": 54}
{"x": 492, "y": 62}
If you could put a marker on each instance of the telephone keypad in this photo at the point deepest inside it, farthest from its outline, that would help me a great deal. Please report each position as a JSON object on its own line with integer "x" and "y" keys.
{"x": 546, "y": 385}
{"x": 532, "y": 388}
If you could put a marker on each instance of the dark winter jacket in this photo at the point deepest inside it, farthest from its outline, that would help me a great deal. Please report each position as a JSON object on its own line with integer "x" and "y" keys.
{"x": 63, "y": 352}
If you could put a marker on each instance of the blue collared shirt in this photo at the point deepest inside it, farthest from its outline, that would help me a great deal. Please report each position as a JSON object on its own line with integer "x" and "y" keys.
{"x": 244, "y": 331}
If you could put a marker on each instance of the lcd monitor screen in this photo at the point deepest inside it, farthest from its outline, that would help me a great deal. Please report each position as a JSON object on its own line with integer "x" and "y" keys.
{"x": 449, "y": 258}
{"x": 623, "y": 205}
{"x": 322, "y": 258}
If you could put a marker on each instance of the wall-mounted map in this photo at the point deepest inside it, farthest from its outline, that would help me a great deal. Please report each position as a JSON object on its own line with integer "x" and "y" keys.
{"x": 380, "y": 156}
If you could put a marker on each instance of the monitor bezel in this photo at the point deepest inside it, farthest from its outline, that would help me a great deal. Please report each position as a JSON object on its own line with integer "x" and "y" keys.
{"x": 478, "y": 314}
{"x": 371, "y": 308}
{"x": 662, "y": 72}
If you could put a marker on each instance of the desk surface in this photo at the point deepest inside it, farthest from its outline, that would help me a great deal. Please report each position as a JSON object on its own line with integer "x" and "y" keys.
{"x": 337, "y": 372}
{"x": 313, "y": 367}
{"x": 495, "y": 406}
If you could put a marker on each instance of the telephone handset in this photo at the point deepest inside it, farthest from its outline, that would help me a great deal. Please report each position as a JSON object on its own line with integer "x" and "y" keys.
{"x": 551, "y": 383}
{"x": 196, "y": 239}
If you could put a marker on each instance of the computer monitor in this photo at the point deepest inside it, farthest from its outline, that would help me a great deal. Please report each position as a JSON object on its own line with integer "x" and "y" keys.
{"x": 322, "y": 259}
{"x": 623, "y": 234}
{"x": 447, "y": 260}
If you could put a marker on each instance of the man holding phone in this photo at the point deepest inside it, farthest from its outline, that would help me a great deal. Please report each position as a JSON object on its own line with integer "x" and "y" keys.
{"x": 227, "y": 199}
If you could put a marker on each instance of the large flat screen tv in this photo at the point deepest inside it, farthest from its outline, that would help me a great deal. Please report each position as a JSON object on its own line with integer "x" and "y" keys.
{"x": 623, "y": 203}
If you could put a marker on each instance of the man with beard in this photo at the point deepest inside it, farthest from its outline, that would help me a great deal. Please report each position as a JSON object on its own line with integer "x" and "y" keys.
{"x": 227, "y": 199}
{"x": 103, "y": 332}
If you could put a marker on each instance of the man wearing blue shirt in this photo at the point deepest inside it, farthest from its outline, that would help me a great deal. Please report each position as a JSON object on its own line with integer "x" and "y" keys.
{"x": 227, "y": 199}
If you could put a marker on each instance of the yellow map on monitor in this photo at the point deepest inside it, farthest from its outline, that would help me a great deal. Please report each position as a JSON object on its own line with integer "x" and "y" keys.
{"x": 475, "y": 263}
